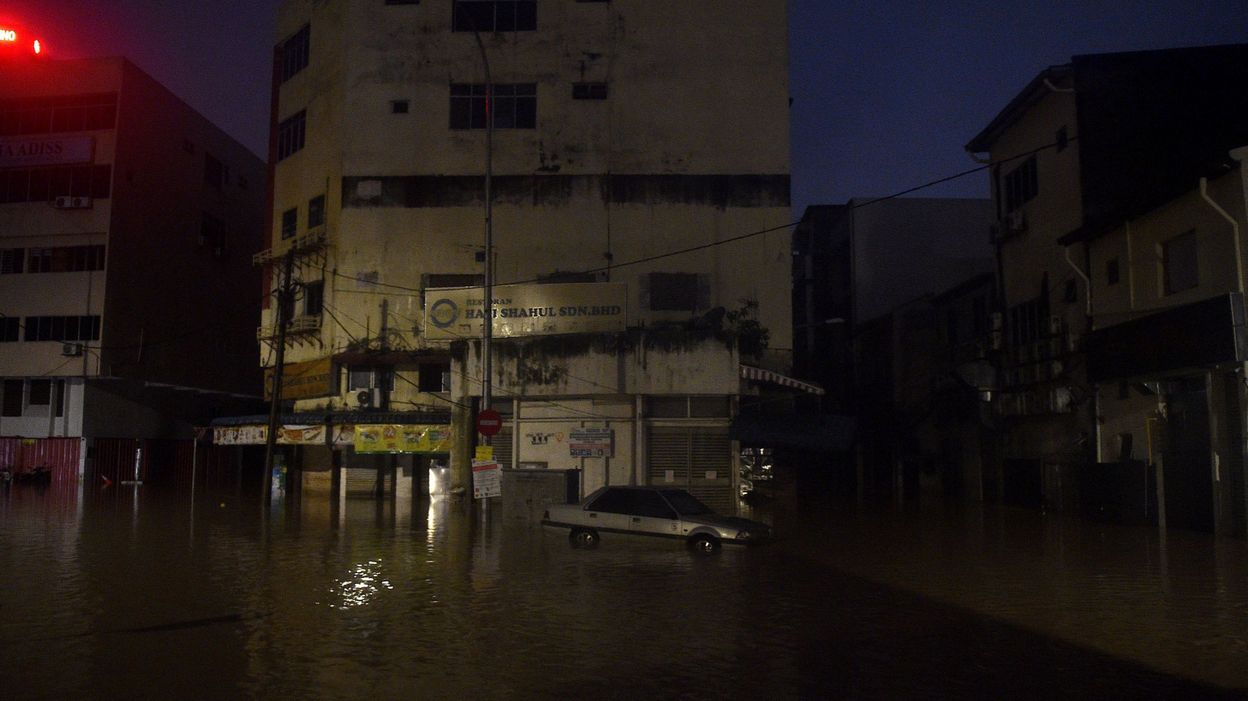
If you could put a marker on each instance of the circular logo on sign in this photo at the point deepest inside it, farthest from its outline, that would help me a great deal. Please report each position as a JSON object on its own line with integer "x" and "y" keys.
{"x": 443, "y": 313}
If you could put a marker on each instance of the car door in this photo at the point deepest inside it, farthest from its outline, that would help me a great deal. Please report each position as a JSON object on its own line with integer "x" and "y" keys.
{"x": 609, "y": 511}
{"x": 651, "y": 515}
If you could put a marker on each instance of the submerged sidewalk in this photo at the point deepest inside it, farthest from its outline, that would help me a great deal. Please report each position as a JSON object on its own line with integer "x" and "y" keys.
{"x": 1174, "y": 602}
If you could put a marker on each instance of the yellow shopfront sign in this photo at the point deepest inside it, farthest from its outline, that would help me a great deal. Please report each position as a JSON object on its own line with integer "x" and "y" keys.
{"x": 402, "y": 438}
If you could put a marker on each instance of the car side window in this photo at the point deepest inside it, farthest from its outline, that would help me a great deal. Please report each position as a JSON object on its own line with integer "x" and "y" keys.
{"x": 651, "y": 505}
{"x": 612, "y": 501}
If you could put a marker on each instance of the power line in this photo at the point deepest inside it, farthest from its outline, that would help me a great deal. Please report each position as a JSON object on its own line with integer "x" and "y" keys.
{"x": 740, "y": 237}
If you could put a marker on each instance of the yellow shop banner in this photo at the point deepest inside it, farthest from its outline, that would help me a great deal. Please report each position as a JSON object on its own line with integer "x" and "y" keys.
{"x": 402, "y": 438}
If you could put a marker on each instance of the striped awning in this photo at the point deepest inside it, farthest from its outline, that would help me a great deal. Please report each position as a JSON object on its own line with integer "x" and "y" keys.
{"x": 760, "y": 375}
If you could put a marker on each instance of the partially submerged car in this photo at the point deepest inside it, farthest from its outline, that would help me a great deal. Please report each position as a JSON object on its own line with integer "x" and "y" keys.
{"x": 652, "y": 511}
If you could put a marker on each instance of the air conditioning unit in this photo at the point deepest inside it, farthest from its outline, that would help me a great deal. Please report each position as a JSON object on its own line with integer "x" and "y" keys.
{"x": 1016, "y": 222}
{"x": 71, "y": 350}
{"x": 67, "y": 202}
{"x": 368, "y": 398}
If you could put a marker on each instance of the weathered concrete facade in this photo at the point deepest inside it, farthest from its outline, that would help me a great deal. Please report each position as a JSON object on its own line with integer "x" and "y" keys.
{"x": 625, "y": 131}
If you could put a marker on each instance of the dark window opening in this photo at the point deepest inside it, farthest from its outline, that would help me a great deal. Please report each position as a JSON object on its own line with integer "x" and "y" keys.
{"x": 47, "y": 184}
{"x": 58, "y": 114}
{"x": 40, "y": 393}
{"x": 316, "y": 211}
{"x": 62, "y": 328}
{"x": 514, "y": 106}
{"x": 1061, "y": 139}
{"x": 399, "y": 106}
{"x": 66, "y": 259}
{"x": 290, "y": 135}
{"x": 1111, "y": 271}
{"x": 589, "y": 91}
{"x": 494, "y": 16}
{"x": 1021, "y": 185}
{"x": 295, "y": 51}
{"x": 216, "y": 173}
{"x": 10, "y": 329}
{"x": 290, "y": 223}
{"x": 434, "y": 377}
{"x": 13, "y": 397}
{"x": 12, "y": 260}
{"x": 313, "y": 298}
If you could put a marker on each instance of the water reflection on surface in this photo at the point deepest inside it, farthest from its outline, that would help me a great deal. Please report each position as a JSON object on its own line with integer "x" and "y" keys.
{"x": 133, "y": 592}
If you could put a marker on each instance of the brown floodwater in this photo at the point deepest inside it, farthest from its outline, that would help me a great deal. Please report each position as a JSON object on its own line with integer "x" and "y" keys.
{"x": 141, "y": 593}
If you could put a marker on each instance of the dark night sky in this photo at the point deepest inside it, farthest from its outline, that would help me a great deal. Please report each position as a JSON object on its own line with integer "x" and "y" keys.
{"x": 885, "y": 93}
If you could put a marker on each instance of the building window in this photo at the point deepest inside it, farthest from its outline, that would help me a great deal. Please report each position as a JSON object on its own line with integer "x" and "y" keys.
{"x": 67, "y": 259}
{"x": 1111, "y": 271}
{"x": 589, "y": 91}
{"x": 60, "y": 397}
{"x": 290, "y": 223}
{"x": 290, "y": 135}
{"x": 47, "y": 184}
{"x": 1021, "y": 185}
{"x": 1061, "y": 139}
{"x": 1029, "y": 321}
{"x": 1179, "y": 264}
{"x": 515, "y": 106}
{"x": 40, "y": 393}
{"x": 434, "y": 377}
{"x": 10, "y": 329}
{"x": 494, "y": 16}
{"x": 399, "y": 106}
{"x": 365, "y": 377}
{"x": 59, "y": 114}
{"x": 62, "y": 328}
{"x": 216, "y": 173}
{"x": 673, "y": 292}
{"x": 294, "y": 52}
{"x": 12, "y": 260}
{"x": 313, "y": 298}
{"x": 13, "y": 397}
{"x": 316, "y": 211}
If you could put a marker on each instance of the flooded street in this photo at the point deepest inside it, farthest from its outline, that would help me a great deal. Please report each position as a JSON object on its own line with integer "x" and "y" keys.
{"x": 139, "y": 593}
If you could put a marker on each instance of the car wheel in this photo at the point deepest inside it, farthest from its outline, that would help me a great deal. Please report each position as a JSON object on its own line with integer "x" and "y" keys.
{"x": 704, "y": 544}
{"x": 583, "y": 538}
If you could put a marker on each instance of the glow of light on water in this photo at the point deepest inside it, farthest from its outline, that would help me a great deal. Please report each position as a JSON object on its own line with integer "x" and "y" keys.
{"x": 361, "y": 586}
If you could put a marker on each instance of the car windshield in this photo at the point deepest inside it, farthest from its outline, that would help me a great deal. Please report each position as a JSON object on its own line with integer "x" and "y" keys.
{"x": 685, "y": 503}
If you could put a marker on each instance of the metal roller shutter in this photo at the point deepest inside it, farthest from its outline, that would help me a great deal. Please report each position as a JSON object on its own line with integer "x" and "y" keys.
{"x": 696, "y": 458}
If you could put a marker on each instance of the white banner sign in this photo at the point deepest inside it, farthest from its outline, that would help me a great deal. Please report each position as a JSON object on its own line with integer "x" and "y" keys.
{"x": 526, "y": 310}
{"x": 46, "y": 151}
{"x": 486, "y": 479}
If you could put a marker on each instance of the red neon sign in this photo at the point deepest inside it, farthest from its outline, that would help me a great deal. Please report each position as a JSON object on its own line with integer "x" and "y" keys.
{"x": 12, "y": 36}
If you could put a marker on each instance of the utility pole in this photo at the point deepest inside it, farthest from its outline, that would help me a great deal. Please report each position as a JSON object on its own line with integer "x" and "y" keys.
{"x": 284, "y": 298}
{"x": 487, "y": 331}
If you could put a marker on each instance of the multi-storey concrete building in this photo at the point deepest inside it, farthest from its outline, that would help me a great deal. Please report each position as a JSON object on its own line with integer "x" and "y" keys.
{"x": 639, "y": 153}
{"x": 1098, "y": 166}
{"x": 863, "y": 276}
{"x": 127, "y": 225}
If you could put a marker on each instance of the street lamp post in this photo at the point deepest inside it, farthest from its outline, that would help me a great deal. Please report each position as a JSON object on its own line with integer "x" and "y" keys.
{"x": 487, "y": 330}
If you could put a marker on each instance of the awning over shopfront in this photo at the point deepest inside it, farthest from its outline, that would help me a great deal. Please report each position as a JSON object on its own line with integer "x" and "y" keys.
{"x": 748, "y": 372}
{"x": 1198, "y": 335}
{"x": 829, "y": 433}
